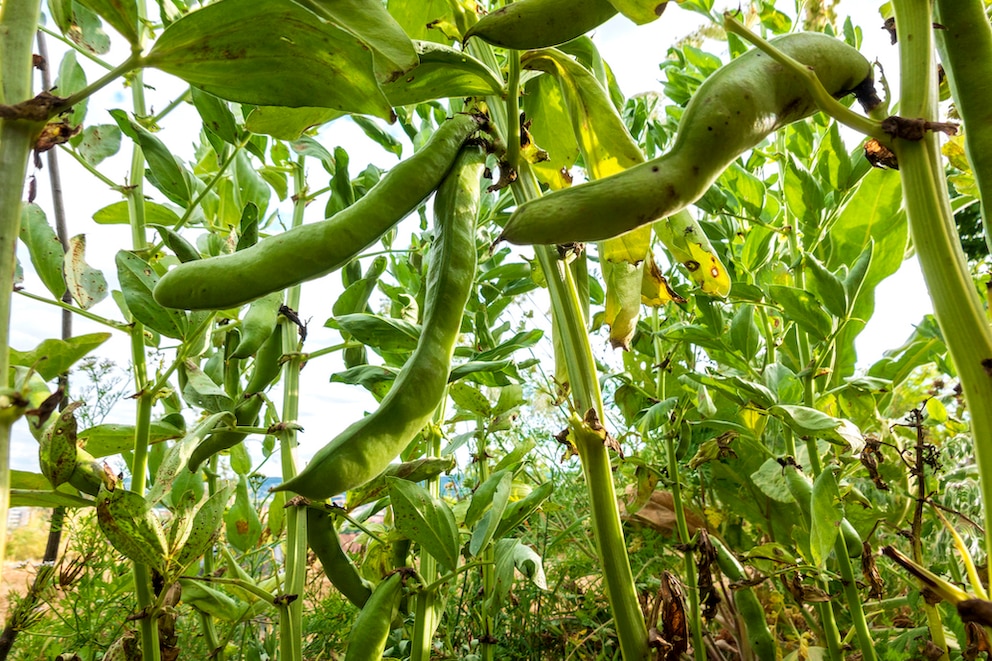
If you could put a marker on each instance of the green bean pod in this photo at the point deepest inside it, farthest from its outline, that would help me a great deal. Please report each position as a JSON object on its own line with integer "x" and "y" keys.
{"x": 965, "y": 46}
{"x": 246, "y": 414}
{"x": 528, "y": 24}
{"x": 316, "y": 249}
{"x": 258, "y": 324}
{"x": 322, "y": 536}
{"x": 364, "y": 449}
{"x": 747, "y": 603}
{"x": 732, "y": 111}
{"x": 265, "y": 370}
{"x": 368, "y": 636}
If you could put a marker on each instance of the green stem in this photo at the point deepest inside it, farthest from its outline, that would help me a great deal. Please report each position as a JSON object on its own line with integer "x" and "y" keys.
{"x": 956, "y": 304}
{"x": 291, "y": 614}
{"x": 18, "y": 21}
{"x": 427, "y": 613}
{"x": 116, "y": 325}
{"x": 130, "y": 64}
{"x": 689, "y": 564}
{"x": 488, "y": 646}
{"x": 583, "y": 379}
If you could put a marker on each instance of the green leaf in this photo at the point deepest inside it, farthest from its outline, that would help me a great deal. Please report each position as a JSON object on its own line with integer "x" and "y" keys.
{"x": 470, "y": 399}
{"x": 546, "y": 108}
{"x": 826, "y": 512}
{"x": 519, "y": 511}
{"x": 392, "y": 51}
{"x": 745, "y": 336}
{"x": 416, "y": 17}
{"x": 270, "y": 53}
{"x": 46, "y": 499}
{"x": 640, "y": 11}
{"x": 57, "y": 449}
{"x": 109, "y": 439}
{"x": 383, "y": 333}
{"x": 168, "y": 175}
{"x": 623, "y": 300}
{"x": 205, "y": 529}
{"x": 138, "y": 280}
{"x": 44, "y": 247}
{"x": 606, "y": 145}
{"x": 288, "y": 123}
{"x": 378, "y": 135}
{"x": 131, "y": 527}
{"x": 217, "y": 117}
{"x": 201, "y": 391}
{"x": 772, "y": 483}
{"x": 98, "y": 142}
{"x": 425, "y": 520}
{"x": 72, "y": 79}
{"x": 521, "y": 340}
{"x": 805, "y": 421}
{"x": 53, "y": 357}
{"x": 86, "y": 285}
{"x": 476, "y": 367}
{"x": 803, "y": 308}
{"x": 483, "y": 533}
{"x": 121, "y": 14}
{"x": 118, "y": 214}
{"x": 748, "y": 189}
{"x": 178, "y": 455}
{"x": 483, "y": 497}
{"x": 531, "y": 565}
{"x": 417, "y": 470}
{"x": 827, "y": 286}
{"x": 377, "y": 379}
{"x": 443, "y": 72}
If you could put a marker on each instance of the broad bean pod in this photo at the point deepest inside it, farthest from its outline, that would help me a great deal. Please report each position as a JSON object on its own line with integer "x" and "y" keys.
{"x": 802, "y": 491}
{"x": 316, "y": 249}
{"x": 732, "y": 111}
{"x": 528, "y": 24}
{"x": 368, "y": 636}
{"x": 258, "y": 324}
{"x": 322, "y": 536}
{"x": 364, "y": 449}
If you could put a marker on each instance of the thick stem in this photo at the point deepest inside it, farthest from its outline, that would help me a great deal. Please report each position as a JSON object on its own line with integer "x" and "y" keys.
{"x": 689, "y": 563}
{"x": 18, "y": 22}
{"x": 956, "y": 304}
{"x": 291, "y": 614}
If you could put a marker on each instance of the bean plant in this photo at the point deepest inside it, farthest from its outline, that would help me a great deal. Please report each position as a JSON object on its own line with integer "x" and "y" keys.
{"x": 684, "y": 458}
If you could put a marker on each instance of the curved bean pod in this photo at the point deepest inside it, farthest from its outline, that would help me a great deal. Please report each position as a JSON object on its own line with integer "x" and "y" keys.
{"x": 364, "y": 449}
{"x": 733, "y": 111}
{"x": 313, "y": 250}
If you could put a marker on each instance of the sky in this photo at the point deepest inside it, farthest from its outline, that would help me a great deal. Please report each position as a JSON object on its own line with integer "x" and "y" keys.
{"x": 634, "y": 54}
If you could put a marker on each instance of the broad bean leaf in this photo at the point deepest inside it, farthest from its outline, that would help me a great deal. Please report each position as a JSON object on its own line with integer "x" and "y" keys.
{"x": 520, "y": 510}
{"x": 827, "y": 286}
{"x": 470, "y": 398}
{"x": 383, "y": 333}
{"x": 205, "y": 529}
{"x": 498, "y": 498}
{"x": 138, "y": 280}
{"x": 98, "y": 142}
{"x": 416, "y": 18}
{"x": 177, "y": 456}
{"x": 167, "y": 174}
{"x": 442, "y": 72}
{"x": 483, "y": 497}
{"x": 72, "y": 79}
{"x": 270, "y": 53}
{"x": 769, "y": 479}
{"x": 110, "y": 438}
{"x": 640, "y": 11}
{"x": 53, "y": 357}
{"x": 47, "y": 499}
{"x": 826, "y": 512}
{"x": 121, "y": 14}
{"x": 393, "y": 53}
{"x": 118, "y": 214}
{"x": 217, "y": 117}
{"x": 531, "y": 565}
{"x": 86, "y": 284}
{"x": 201, "y": 391}
{"x": 44, "y": 248}
{"x": 131, "y": 527}
{"x": 802, "y": 307}
{"x": 425, "y": 520}
{"x": 289, "y": 123}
